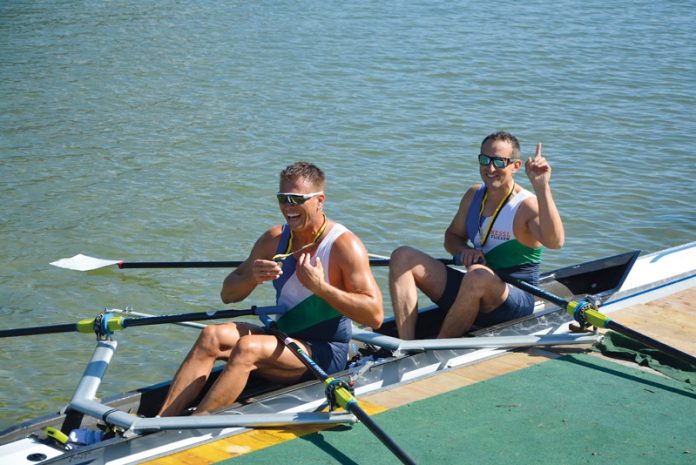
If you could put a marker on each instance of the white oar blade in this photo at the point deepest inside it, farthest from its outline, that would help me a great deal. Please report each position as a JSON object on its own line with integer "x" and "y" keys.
{"x": 83, "y": 263}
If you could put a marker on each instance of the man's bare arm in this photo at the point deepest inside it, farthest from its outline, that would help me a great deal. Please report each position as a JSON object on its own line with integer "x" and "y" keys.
{"x": 256, "y": 269}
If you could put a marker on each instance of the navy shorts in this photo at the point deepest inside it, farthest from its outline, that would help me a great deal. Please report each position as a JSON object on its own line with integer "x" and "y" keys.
{"x": 331, "y": 357}
{"x": 517, "y": 304}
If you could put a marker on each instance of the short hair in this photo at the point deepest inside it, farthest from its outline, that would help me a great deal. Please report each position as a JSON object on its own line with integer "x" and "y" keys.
{"x": 304, "y": 170}
{"x": 505, "y": 137}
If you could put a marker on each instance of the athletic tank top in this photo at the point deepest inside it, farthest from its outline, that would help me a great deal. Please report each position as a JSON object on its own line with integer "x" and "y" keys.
{"x": 306, "y": 315}
{"x": 504, "y": 253}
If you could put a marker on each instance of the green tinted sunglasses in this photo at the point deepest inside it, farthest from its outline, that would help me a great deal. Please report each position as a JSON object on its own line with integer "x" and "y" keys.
{"x": 498, "y": 162}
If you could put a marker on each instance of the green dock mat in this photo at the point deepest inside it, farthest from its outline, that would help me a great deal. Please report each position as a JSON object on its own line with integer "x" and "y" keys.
{"x": 577, "y": 409}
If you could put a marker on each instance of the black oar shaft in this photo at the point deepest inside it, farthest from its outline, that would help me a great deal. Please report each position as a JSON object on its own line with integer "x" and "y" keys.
{"x": 539, "y": 292}
{"x": 65, "y": 328}
{"x": 380, "y": 434}
{"x": 207, "y": 264}
{"x": 385, "y": 261}
{"x": 233, "y": 264}
{"x": 608, "y": 322}
{"x": 115, "y": 323}
{"x": 164, "y": 319}
{"x": 647, "y": 340}
{"x": 352, "y": 405}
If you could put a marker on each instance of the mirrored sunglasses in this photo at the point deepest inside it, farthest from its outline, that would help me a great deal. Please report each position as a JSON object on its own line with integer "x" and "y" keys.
{"x": 289, "y": 198}
{"x": 498, "y": 162}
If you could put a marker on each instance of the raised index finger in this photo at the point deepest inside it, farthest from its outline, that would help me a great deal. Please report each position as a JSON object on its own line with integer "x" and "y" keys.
{"x": 538, "y": 151}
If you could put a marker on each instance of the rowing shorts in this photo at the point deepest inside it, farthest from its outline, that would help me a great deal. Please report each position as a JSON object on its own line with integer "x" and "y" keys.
{"x": 332, "y": 357}
{"x": 517, "y": 304}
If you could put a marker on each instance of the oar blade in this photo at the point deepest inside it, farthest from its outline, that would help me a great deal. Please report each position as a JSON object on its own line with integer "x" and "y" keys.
{"x": 84, "y": 263}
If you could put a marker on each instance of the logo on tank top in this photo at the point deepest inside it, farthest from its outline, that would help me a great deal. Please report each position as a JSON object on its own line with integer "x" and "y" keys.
{"x": 499, "y": 235}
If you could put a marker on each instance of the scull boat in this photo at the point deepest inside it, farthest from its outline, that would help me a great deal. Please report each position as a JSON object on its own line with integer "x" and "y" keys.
{"x": 381, "y": 361}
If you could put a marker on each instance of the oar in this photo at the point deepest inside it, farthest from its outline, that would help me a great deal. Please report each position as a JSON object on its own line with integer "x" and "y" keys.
{"x": 338, "y": 393}
{"x": 106, "y": 323}
{"x": 585, "y": 312}
{"x": 82, "y": 262}
{"x": 129, "y": 312}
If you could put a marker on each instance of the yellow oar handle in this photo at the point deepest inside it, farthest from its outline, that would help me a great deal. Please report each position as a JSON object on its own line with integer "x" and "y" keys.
{"x": 107, "y": 324}
{"x": 338, "y": 393}
{"x": 57, "y": 434}
{"x": 596, "y": 318}
{"x": 585, "y": 313}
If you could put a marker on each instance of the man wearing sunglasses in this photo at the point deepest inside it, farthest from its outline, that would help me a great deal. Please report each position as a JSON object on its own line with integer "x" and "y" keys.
{"x": 499, "y": 229}
{"x": 322, "y": 277}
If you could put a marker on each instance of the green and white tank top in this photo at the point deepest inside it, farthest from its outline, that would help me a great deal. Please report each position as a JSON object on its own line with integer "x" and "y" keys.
{"x": 502, "y": 249}
{"x": 307, "y": 315}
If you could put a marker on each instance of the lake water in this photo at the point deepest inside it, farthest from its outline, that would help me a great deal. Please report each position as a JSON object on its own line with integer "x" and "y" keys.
{"x": 156, "y": 130}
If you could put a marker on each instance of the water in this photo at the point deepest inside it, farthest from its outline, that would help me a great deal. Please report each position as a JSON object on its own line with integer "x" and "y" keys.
{"x": 156, "y": 131}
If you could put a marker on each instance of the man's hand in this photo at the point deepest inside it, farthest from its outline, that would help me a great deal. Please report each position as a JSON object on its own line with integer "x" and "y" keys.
{"x": 538, "y": 169}
{"x": 265, "y": 270}
{"x": 310, "y": 275}
{"x": 470, "y": 257}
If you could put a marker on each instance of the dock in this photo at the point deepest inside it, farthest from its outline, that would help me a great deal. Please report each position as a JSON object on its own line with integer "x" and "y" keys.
{"x": 512, "y": 408}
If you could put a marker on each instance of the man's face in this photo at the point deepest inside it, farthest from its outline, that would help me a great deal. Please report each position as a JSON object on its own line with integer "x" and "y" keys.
{"x": 492, "y": 176}
{"x": 299, "y": 212}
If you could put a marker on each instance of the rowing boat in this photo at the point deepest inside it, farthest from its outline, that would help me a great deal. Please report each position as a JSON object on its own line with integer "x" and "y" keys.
{"x": 380, "y": 361}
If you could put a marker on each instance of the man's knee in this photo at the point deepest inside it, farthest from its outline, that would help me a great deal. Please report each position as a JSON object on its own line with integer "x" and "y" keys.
{"x": 402, "y": 258}
{"x": 247, "y": 350}
{"x": 212, "y": 339}
{"x": 478, "y": 278}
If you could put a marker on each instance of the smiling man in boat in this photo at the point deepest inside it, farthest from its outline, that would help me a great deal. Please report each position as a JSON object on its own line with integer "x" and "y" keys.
{"x": 322, "y": 276}
{"x": 499, "y": 229}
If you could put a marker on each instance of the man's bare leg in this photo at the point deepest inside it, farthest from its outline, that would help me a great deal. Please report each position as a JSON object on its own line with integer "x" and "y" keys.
{"x": 263, "y": 352}
{"x": 481, "y": 291}
{"x": 215, "y": 342}
{"x": 410, "y": 270}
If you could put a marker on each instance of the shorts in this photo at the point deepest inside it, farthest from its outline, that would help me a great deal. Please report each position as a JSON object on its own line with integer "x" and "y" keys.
{"x": 331, "y": 357}
{"x": 517, "y": 304}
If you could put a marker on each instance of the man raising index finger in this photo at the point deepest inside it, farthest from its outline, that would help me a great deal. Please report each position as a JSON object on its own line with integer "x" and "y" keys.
{"x": 499, "y": 228}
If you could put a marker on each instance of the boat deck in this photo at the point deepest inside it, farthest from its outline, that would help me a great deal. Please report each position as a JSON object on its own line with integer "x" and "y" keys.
{"x": 671, "y": 319}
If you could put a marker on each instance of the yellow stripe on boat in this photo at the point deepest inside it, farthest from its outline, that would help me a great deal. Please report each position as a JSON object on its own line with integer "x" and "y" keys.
{"x": 245, "y": 443}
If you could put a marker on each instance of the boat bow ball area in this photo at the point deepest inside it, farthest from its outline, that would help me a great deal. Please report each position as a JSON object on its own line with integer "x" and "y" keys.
{"x": 125, "y": 430}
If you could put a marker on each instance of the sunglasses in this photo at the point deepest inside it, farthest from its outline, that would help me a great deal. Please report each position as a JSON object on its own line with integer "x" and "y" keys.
{"x": 485, "y": 160}
{"x": 289, "y": 198}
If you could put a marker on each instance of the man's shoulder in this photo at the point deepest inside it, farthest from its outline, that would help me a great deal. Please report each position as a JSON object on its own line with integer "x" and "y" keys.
{"x": 344, "y": 236}
{"x": 469, "y": 195}
{"x": 527, "y": 197}
{"x": 271, "y": 235}
{"x": 340, "y": 228}
{"x": 274, "y": 231}
{"x": 347, "y": 245}
{"x": 528, "y": 205}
